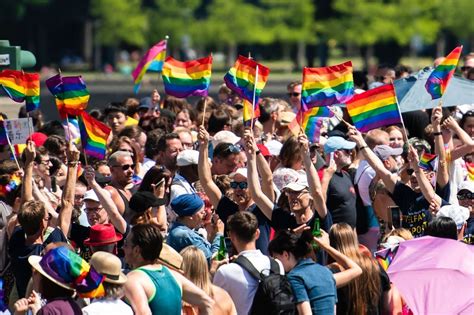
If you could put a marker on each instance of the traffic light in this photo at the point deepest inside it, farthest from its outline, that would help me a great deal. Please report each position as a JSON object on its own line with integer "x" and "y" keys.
{"x": 14, "y": 58}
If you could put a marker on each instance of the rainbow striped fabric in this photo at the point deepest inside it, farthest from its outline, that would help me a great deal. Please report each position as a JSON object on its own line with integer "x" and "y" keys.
{"x": 438, "y": 80}
{"x": 70, "y": 93}
{"x": 386, "y": 256}
{"x": 327, "y": 85}
{"x": 189, "y": 78}
{"x": 428, "y": 161}
{"x": 310, "y": 121}
{"x": 470, "y": 170}
{"x": 152, "y": 61}
{"x": 94, "y": 135}
{"x": 21, "y": 86}
{"x": 374, "y": 108}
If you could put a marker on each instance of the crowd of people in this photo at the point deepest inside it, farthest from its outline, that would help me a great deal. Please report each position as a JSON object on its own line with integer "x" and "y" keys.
{"x": 191, "y": 211}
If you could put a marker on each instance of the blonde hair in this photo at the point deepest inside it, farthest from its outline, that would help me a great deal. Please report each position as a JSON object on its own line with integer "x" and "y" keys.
{"x": 364, "y": 292}
{"x": 400, "y": 232}
{"x": 195, "y": 268}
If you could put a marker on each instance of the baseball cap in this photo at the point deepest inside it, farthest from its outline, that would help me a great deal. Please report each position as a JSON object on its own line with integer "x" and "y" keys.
{"x": 338, "y": 143}
{"x": 263, "y": 150}
{"x": 91, "y": 195}
{"x": 283, "y": 176}
{"x": 145, "y": 103}
{"x": 142, "y": 200}
{"x": 459, "y": 214}
{"x": 383, "y": 151}
{"x": 299, "y": 184}
{"x": 187, "y": 157}
{"x": 274, "y": 147}
{"x": 241, "y": 171}
{"x": 466, "y": 185}
{"x": 224, "y": 136}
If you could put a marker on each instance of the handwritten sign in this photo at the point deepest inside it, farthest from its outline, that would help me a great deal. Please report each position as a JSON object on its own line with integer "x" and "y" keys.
{"x": 18, "y": 130}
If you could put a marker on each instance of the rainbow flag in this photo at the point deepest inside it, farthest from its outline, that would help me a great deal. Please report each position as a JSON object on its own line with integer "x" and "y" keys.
{"x": 32, "y": 90}
{"x": 248, "y": 114}
{"x": 327, "y": 85}
{"x": 310, "y": 121}
{"x": 241, "y": 79}
{"x": 21, "y": 86}
{"x": 438, "y": 80}
{"x": 374, "y": 108}
{"x": 94, "y": 135}
{"x": 151, "y": 61}
{"x": 71, "y": 94}
{"x": 189, "y": 78}
{"x": 386, "y": 256}
{"x": 470, "y": 170}
{"x": 428, "y": 161}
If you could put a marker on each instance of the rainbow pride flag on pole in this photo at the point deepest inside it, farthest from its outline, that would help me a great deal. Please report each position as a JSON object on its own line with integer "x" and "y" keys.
{"x": 438, "y": 80}
{"x": 21, "y": 86}
{"x": 94, "y": 135}
{"x": 152, "y": 61}
{"x": 428, "y": 162}
{"x": 70, "y": 93}
{"x": 327, "y": 85}
{"x": 374, "y": 108}
{"x": 189, "y": 78}
{"x": 310, "y": 122}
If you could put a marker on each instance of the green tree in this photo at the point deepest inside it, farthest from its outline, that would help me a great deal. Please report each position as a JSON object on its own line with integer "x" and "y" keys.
{"x": 456, "y": 16}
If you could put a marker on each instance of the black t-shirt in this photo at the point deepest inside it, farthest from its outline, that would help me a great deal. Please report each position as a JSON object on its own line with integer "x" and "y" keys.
{"x": 19, "y": 253}
{"x": 415, "y": 208}
{"x": 227, "y": 207}
{"x": 341, "y": 199}
{"x": 469, "y": 232}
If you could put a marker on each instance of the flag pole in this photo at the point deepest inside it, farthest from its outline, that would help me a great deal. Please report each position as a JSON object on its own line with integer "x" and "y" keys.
{"x": 338, "y": 116}
{"x": 400, "y": 115}
{"x": 204, "y": 111}
{"x": 253, "y": 100}
{"x": 11, "y": 148}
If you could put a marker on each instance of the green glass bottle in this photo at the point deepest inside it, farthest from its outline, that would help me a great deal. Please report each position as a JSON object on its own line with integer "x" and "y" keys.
{"x": 222, "y": 252}
{"x": 316, "y": 232}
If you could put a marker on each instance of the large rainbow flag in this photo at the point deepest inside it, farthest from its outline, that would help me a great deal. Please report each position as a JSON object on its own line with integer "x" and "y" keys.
{"x": 241, "y": 79}
{"x": 94, "y": 135}
{"x": 21, "y": 86}
{"x": 438, "y": 80}
{"x": 152, "y": 61}
{"x": 70, "y": 93}
{"x": 189, "y": 78}
{"x": 374, "y": 108}
{"x": 327, "y": 85}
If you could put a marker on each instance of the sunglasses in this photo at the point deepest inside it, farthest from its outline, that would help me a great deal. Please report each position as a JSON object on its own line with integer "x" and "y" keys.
{"x": 241, "y": 185}
{"x": 126, "y": 166}
{"x": 466, "y": 196}
{"x": 91, "y": 210}
{"x": 232, "y": 148}
{"x": 294, "y": 94}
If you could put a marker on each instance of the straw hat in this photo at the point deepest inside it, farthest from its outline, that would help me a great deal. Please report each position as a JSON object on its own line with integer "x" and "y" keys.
{"x": 110, "y": 266}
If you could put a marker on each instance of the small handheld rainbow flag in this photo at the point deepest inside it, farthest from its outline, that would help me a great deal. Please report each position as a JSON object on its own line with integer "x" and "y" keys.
{"x": 327, "y": 85}
{"x": 189, "y": 78}
{"x": 241, "y": 79}
{"x": 438, "y": 80}
{"x": 374, "y": 108}
{"x": 151, "y": 61}
{"x": 70, "y": 93}
{"x": 21, "y": 86}
{"x": 385, "y": 256}
{"x": 94, "y": 135}
{"x": 310, "y": 122}
{"x": 428, "y": 162}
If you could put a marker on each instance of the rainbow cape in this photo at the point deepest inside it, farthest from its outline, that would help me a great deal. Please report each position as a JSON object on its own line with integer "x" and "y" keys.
{"x": 310, "y": 122}
{"x": 327, "y": 85}
{"x": 428, "y": 161}
{"x": 374, "y": 108}
{"x": 438, "y": 80}
{"x": 241, "y": 79}
{"x": 189, "y": 78}
{"x": 94, "y": 135}
{"x": 21, "y": 86}
{"x": 151, "y": 61}
{"x": 70, "y": 93}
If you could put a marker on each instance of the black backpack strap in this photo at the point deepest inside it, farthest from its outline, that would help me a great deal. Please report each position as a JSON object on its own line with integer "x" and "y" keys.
{"x": 243, "y": 262}
{"x": 274, "y": 266}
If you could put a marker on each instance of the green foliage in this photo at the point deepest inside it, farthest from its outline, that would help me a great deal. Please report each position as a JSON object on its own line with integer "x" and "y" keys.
{"x": 456, "y": 15}
{"x": 17, "y": 9}
{"x": 120, "y": 21}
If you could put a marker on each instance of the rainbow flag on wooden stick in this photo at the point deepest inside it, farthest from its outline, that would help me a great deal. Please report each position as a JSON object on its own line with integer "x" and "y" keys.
{"x": 152, "y": 61}
{"x": 189, "y": 78}
{"x": 310, "y": 122}
{"x": 22, "y": 87}
{"x": 428, "y": 162}
{"x": 374, "y": 108}
{"x": 438, "y": 80}
{"x": 327, "y": 85}
{"x": 70, "y": 93}
{"x": 94, "y": 135}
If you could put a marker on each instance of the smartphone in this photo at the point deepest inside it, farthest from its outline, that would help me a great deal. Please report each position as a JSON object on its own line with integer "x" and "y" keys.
{"x": 331, "y": 158}
{"x": 395, "y": 216}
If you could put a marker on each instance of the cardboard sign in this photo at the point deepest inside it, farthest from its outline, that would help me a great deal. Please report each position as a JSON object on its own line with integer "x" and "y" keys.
{"x": 18, "y": 130}
{"x": 4, "y": 60}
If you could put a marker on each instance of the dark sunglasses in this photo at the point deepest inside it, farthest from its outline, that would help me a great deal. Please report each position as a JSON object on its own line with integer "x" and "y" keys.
{"x": 294, "y": 94}
{"x": 466, "y": 196}
{"x": 126, "y": 166}
{"x": 241, "y": 185}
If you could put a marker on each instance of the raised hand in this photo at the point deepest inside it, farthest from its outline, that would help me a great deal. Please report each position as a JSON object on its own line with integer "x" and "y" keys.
{"x": 450, "y": 123}
{"x": 72, "y": 153}
{"x": 89, "y": 174}
{"x": 323, "y": 240}
{"x": 203, "y": 135}
{"x": 30, "y": 152}
{"x": 436, "y": 116}
{"x": 304, "y": 142}
{"x": 356, "y": 136}
{"x": 250, "y": 144}
{"x": 413, "y": 157}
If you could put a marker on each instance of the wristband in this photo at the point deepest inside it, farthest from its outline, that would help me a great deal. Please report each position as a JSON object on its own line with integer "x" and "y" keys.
{"x": 363, "y": 147}
{"x": 437, "y": 133}
{"x": 257, "y": 152}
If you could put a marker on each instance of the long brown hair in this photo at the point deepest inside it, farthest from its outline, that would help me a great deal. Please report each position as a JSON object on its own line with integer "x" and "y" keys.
{"x": 365, "y": 291}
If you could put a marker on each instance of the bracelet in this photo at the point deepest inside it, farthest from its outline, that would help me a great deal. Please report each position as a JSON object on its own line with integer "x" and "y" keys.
{"x": 72, "y": 163}
{"x": 363, "y": 147}
{"x": 437, "y": 133}
{"x": 257, "y": 152}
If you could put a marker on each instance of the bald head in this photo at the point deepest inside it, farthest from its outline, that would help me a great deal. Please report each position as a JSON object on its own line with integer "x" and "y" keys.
{"x": 377, "y": 137}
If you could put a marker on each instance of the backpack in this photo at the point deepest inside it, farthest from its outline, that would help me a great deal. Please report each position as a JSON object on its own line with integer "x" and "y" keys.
{"x": 274, "y": 294}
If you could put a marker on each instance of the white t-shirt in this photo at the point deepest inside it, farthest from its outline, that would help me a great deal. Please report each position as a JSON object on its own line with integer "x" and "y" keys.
{"x": 240, "y": 284}
{"x": 363, "y": 177}
{"x": 106, "y": 306}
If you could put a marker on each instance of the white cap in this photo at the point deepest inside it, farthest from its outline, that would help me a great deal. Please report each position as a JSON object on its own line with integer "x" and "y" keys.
{"x": 187, "y": 157}
{"x": 241, "y": 171}
{"x": 274, "y": 147}
{"x": 224, "y": 136}
{"x": 298, "y": 185}
{"x": 459, "y": 214}
{"x": 91, "y": 195}
{"x": 466, "y": 185}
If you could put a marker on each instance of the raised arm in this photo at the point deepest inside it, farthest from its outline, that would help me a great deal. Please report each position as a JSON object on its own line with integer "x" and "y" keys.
{"x": 67, "y": 200}
{"x": 352, "y": 270}
{"x": 442, "y": 177}
{"x": 27, "y": 187}
{"x": 327, "y": 175}
{"x": 387, "y": 177}
{"x": 313, "y": 179}
{"x": 159, "y": 190}
{"x": 204, "y": 169}
{"x": 106, "y": 201}
{"x": 468, "y": 142}
{"x": 266, "y": 175}
{"x": 260, "y": 199}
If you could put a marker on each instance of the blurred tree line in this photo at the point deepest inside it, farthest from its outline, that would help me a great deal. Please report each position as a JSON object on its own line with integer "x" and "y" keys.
{"x": 298, "y": 29}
